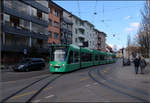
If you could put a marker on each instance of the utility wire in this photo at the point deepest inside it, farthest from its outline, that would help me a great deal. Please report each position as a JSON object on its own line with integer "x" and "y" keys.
{"x": 78, "y": 8}
{"x": 95, "y": 13}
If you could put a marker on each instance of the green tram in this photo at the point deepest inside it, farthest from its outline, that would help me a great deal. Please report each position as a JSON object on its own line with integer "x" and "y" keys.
{"x": 66, "y": 58}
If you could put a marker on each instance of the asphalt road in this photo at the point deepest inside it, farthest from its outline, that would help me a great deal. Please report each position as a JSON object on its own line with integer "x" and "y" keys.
{"x": 104, "y": 83}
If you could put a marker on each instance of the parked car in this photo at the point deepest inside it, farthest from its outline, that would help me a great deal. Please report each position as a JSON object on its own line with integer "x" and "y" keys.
{"x": 126, "y": 61}
{"x": 30, "y": 64}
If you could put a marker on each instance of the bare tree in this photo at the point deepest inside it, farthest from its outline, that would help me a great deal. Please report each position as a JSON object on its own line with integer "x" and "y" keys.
{"x": 128, "y": 45}
{"x": 144, "y": 31}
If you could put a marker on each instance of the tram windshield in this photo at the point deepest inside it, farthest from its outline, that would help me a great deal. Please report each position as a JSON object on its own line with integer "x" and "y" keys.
{"x": 58, "y": 54}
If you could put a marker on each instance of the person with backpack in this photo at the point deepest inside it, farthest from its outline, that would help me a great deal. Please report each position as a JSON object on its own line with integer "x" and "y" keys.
{"x": 136, "y": 64}
{"x": 142, "y": 65}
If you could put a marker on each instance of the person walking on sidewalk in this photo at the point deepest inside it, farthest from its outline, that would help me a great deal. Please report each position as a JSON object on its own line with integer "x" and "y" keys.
{"x": 142, "y": 65}
{"x": 136, "y": 64}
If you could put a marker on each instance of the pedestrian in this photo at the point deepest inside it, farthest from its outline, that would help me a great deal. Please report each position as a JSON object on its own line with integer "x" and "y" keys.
{"x": 136, "y": 64}
{"x": 142, "y": 65}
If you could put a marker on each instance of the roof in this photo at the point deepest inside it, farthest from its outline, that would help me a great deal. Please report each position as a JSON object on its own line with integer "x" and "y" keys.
{"x": 88, "y": 22}
{"x": 100, "y": 32}
{"x": 56, "y": 5}
{"x": 67, "y": 21}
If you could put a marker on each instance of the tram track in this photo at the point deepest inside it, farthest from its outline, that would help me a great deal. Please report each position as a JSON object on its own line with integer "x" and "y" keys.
{"x": 32, "y": 84}
{"x": 113, "y": 88}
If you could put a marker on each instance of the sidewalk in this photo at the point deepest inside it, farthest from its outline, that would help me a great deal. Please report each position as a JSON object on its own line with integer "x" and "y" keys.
{"x": 127, "y": 76}
{"x": 128, "y": 73}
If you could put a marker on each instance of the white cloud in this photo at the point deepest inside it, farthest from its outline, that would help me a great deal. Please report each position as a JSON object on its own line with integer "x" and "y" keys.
{"x": 127, "y": 17}
{"x": 135, "y": 24}
{"x": 133, "y": 27}
{"x": 129, "y": 29}
{"x": 115, "y": 47}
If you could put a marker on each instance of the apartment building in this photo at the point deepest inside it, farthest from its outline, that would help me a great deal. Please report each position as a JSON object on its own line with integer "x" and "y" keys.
{"x": 66, "y": 27}
{"x": 78, "y": 30}
{"x": 24, "y": 27}
{"x": 89, "y": 34}
{"x": 100, "y": 40}
{"x": 54, "y": 17}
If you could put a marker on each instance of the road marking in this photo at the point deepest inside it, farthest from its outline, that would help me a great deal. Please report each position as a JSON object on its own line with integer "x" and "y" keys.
{"x": 48, "y": 88}
{"x": 87, "y": 85}
{"x": 95, "y": 83}
{"x": 82, "y": 79}
{"x": 28, "y": 93}
{"x": 37, "y": 101}
{"x": 50, "y": 96}
{"x": 9, "y": 82}
{"x": 104, "y": 71}
{"x": 24, "y": 94}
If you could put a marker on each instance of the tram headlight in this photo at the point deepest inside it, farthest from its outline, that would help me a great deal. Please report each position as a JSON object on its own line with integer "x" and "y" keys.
{"x": 51, "y": 64}
{"x": 63, "y": 64}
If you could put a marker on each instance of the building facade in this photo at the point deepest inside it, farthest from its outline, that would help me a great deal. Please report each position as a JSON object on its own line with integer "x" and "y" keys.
{"x": 24, "y": 29}
{"x": 78, "y": 31}
{"x": 100, "y": 40}
{"x": 66, "y": 27}
{"x": 54, "y": 16}
{"x": 89, "y": 34}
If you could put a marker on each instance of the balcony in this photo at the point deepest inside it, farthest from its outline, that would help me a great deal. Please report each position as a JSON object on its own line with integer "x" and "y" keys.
{"x": 15, "y": 30}
{"x": 82, "y": 36}
{"x": 25, "y": 16}
{"x": 20, "y": 48}
{"x": 36, "y": 5}
{"x": 40, "y": 21}
{"x": 23, "y": 32}
{"x": 13, "y": 48}
{"x": 65, "y": 29}
{"x": 81, "y": 27}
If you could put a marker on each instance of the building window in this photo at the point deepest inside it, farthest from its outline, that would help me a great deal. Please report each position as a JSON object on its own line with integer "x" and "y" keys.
{"x": 50, "y": 22}
{"x": 45, "y": 16}
{"x": 24, "y": 24}
{"x": 81, "y": 23}
{"x": 39, "y": 14}
{"x": 56, "y": 24}
{"x": 50, "y": 10}
{"x": 56, "y": 13}
{"x": 55, "y": 35}
{"x": 6, "y": 19}
{"x": 50, "y": 34}
{"x": 76, "y": 31}
{"x": 34, "y": 11}
{"x": 76, "y": 21}
{"x": 14, "y": 21}
{"x": 76, "y": 40}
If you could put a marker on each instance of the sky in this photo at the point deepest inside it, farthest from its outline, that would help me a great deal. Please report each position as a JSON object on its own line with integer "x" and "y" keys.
{"x": 117, "y": 19}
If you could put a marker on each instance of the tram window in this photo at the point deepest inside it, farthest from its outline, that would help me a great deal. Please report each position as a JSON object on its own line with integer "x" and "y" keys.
{"x": 76, "y": 57}
{"x": 70, "y": 57}
{"x": 106, "y": 57}
{"x": 89, "y": 57}
{"x": 83, "y": 57}
{"x": 101, "y": 57}
{"x": 96, "y": 57}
